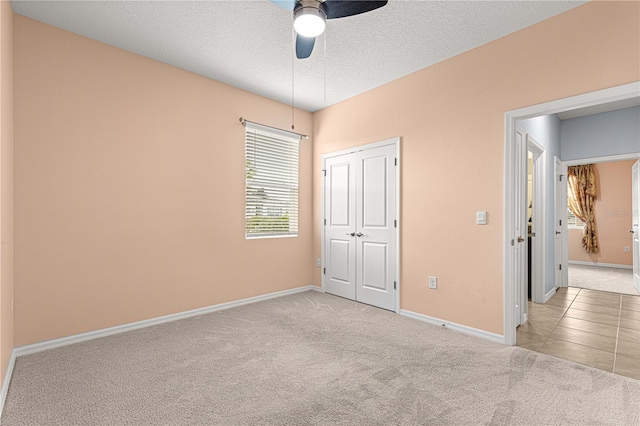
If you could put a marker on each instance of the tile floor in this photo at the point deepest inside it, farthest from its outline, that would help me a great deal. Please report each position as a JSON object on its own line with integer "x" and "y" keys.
{"x": 594, "y": 328}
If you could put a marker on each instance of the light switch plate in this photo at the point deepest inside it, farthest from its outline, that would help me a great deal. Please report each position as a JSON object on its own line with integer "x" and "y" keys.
{"x": 481, "y": 217}
{"x": 433, "y": 282}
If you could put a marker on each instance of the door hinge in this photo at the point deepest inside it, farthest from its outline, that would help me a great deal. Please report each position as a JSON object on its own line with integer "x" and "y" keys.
{"x": 560, "y": 222}
{"x": 395, "y": 161}
{"x": 324, "y": 271}
{"x": 560, "y": 267}
{"x": 560, "y": 178}
{"x": 324, "y": 171}
{"x": 513, "y": 243}
{"x": 325, "y": 222}
{"x": 395, "y": 223}
{"x": 394, "y": 285}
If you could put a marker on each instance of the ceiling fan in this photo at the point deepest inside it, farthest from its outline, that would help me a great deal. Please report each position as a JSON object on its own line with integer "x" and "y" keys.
{"x": 309, "y": 17}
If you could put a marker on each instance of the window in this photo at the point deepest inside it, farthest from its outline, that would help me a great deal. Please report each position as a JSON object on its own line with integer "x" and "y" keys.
{"x": 573, "y": 221}
{"x": 271, "y": 190}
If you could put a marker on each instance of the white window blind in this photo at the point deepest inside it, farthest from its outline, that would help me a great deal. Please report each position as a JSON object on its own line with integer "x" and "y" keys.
{"x": 573, "y": 221}
{"x": 271, "y": 191}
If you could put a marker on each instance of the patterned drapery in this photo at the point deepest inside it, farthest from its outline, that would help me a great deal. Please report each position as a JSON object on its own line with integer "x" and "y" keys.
{"x": 582, "y": 193}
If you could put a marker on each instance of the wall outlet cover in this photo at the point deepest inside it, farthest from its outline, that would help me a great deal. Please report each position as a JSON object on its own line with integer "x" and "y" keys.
{"x": 433, "y": 282}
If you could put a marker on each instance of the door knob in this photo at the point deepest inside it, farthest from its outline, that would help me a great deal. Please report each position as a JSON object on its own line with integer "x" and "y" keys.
{"x": 558, "y": 232}
{"x": 359, "y": 234}
{"x": 520, "y": 239}
{"x": 352, "y": 234}
{"x": 631, "y": 231}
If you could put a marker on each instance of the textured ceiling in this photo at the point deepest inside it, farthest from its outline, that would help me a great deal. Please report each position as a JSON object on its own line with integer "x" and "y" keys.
{"x": 249, "y": 44}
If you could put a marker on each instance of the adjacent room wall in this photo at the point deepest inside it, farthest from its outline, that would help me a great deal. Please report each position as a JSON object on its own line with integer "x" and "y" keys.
{"x": 598, "y": 135}
{"x": 129, "y": 189}
{"x": 450, "y": 117}
{"x": 6, "y": 186}
{"x": 546, "y": 131}
{"x": 613, "y": 217}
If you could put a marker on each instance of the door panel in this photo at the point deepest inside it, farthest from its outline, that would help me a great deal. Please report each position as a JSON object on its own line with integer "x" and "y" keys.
{"x": 374, "y": 255}
{"x": 635, "y": 217}
{"x": 340, "y": 194}
{"x": 339, "y": 252}
{"x": 374, "y": 192}
{"x": 340, "y": 247}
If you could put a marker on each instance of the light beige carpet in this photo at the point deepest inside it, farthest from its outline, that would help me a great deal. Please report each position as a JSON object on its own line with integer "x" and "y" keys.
{"x": 310, "y": 359}
{"x": 614, "y": 280}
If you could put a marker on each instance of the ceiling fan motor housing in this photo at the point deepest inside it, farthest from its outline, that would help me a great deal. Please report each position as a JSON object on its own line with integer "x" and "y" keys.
{"x": 309, "y": 18}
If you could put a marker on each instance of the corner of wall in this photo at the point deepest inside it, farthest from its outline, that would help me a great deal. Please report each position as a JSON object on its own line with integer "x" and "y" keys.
{"x": 6, "y": 195}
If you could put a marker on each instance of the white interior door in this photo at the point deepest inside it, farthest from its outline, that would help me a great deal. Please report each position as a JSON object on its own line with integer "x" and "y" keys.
{"x": 375, "y": 239}
{"x": 520, "y": 230}
{"x": 559, "y": 220}
{"x": 635, "y": 215}
{"x": 340, "y": 227}
{"x": 360, "y": 244}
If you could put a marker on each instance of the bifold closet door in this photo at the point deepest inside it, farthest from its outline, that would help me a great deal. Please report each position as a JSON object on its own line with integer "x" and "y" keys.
{"x": 360, "y": 244}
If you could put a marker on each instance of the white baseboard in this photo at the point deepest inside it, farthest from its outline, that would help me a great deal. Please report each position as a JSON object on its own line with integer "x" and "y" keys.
{"x": 7, "y": 379}
{"x": 601, "y": 265}
{"x": 83, "y": 337}
{"x": 498, "y": 338}
{"x": 549, "y": 295}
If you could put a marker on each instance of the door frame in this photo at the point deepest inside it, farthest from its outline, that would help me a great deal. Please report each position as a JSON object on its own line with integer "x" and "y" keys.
{"x": 617, "y": 93}
{"x": 635, "y": 220}
{"x": 396, "y": 143}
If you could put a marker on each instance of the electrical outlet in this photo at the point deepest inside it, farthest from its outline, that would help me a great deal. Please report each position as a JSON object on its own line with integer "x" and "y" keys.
{"x": 433, "y": 282}
{"x": 318, "y": 262}
{"x": 626, "y": 249}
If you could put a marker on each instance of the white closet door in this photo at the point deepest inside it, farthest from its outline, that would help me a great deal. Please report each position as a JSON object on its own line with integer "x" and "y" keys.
{"x": 340, "y": 229}
{"x": 375, "y": 252}
{"x": 360, "y": 242}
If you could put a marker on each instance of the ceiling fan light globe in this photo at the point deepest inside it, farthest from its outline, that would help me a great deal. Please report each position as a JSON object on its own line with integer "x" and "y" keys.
{"x": 309, "y": 21}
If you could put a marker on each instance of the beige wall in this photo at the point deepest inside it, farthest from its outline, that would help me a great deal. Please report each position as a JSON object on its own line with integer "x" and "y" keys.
{"x": 613, "y": 217}
{"x": 6, "y": 185}
{"x": 450, "y": 117}
{"x": 129, "y": 189}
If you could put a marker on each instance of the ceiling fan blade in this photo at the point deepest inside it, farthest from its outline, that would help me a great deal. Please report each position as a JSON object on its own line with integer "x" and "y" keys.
{"x": 285, "y": 4}
{"x": 342, "y": 8}
{"x": 304, "y": 46}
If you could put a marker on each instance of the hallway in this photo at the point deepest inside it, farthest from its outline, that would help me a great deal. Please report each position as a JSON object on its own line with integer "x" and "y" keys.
{"x": 590, "y": 327}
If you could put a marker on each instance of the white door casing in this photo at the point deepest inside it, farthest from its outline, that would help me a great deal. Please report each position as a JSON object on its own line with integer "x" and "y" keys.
{"x": 360, "y": 232}
{"x": 635, "y": 218}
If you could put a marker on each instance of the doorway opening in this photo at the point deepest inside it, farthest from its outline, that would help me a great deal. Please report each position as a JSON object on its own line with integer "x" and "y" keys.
{"x": 514, "y": 213}
{"x": 610, "y": 267}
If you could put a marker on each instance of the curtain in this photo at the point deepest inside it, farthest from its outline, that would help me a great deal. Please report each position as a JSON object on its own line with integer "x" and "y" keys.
{"x": 582, "y": 194}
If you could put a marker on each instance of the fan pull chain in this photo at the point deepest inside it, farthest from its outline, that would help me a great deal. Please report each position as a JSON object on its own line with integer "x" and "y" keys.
{"x": 324, "y": 39}
{"x": 293, "y": 78}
